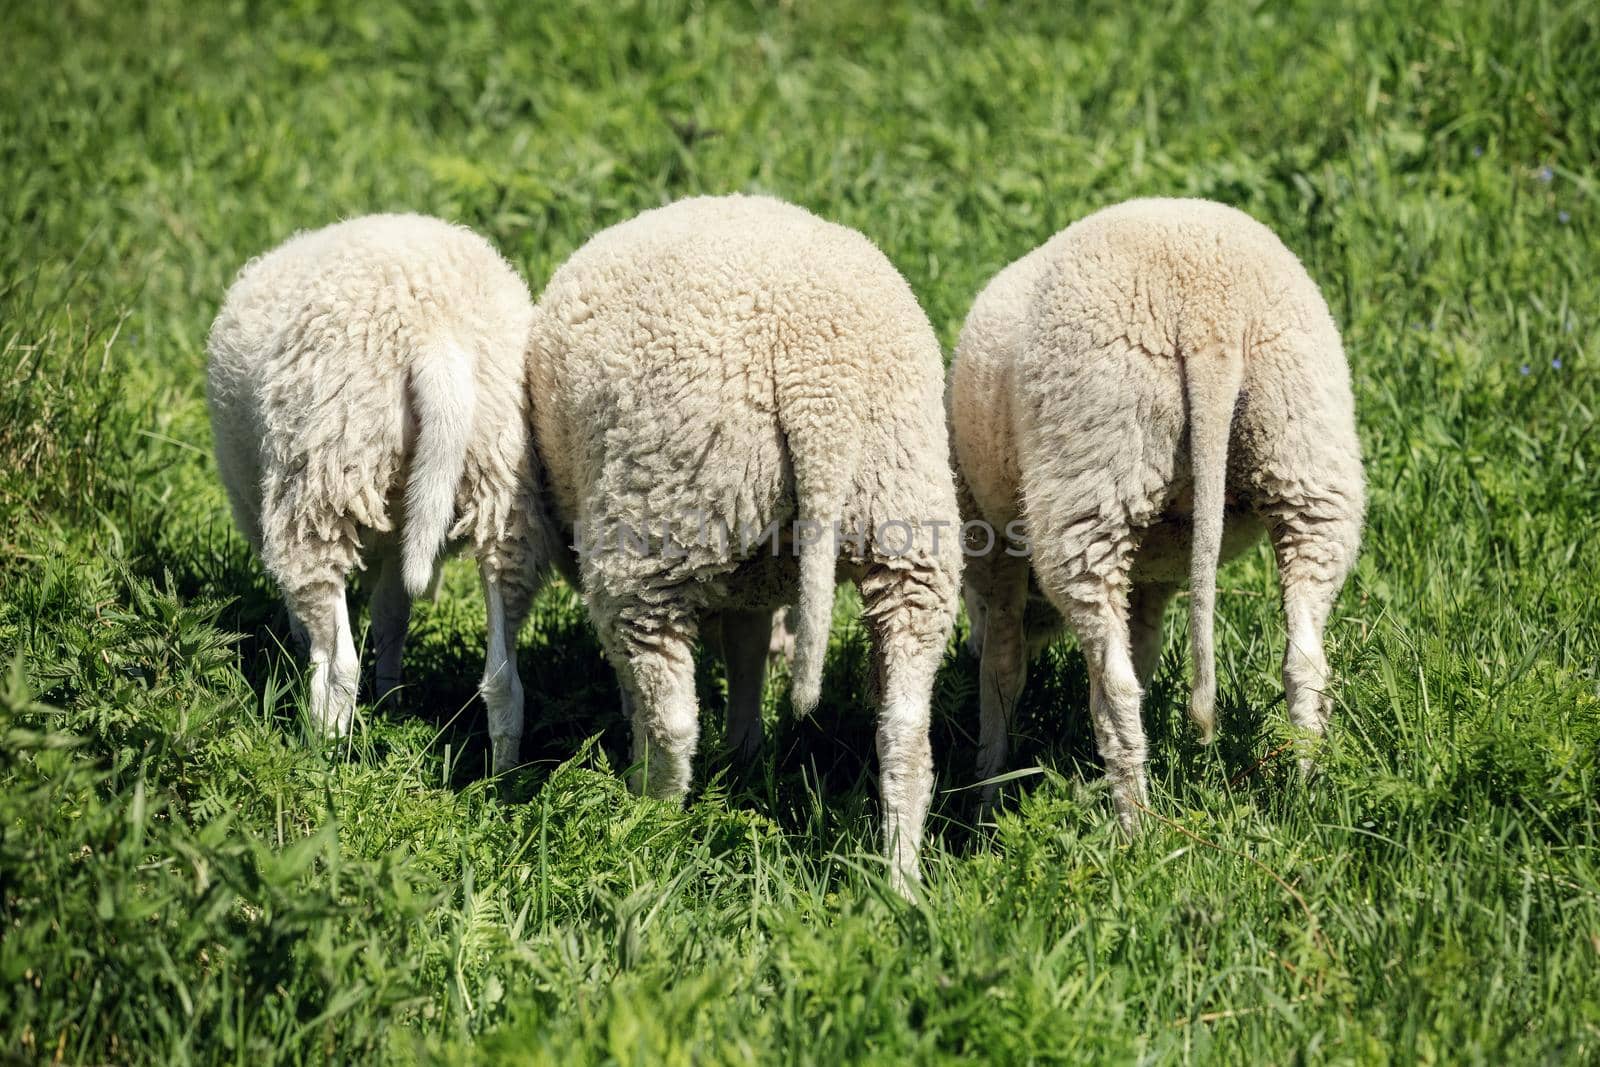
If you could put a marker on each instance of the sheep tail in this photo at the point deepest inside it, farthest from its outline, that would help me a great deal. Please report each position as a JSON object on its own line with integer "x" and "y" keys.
{"x": 813, "y": 620}
{"x": 442, "y": 401}
{"x": 1212, "y": 377}
{"x": 820, "y": 449}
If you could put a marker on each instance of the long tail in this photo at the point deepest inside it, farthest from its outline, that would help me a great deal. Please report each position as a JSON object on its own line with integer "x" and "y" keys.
{"x": 1212, "y": 376}
{"x": 823, "y": 462}
{"x": 442, "y": 399}
{"x": 815, "y": 616}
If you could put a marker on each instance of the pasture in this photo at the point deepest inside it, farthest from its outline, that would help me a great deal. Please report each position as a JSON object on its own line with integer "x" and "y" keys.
{"x": 183, "y": 878}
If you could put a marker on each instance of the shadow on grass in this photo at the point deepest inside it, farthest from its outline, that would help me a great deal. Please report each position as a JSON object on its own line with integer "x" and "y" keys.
{"x": 816, "y": 777}
{"x": 570, "y": 695}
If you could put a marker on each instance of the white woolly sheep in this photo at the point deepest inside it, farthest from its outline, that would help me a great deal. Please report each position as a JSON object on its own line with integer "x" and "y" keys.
{"x": 714, "y": 367}
{"x": 367, "y": 390}
{"x": 1161, "y": 378}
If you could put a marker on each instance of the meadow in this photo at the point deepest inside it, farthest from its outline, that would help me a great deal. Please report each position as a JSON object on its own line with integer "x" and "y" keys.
{"x": 185, "y": 879}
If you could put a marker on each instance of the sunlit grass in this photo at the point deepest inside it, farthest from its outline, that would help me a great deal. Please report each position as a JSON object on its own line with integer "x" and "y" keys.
{"x": 183, "y": 877}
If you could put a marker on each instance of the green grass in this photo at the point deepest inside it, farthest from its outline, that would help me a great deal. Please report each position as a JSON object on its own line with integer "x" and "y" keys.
{"x": 183, "y": 879}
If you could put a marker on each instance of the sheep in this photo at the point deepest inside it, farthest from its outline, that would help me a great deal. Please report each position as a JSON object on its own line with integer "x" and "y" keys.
{"x": 366, "y": 388}
{"x": 1160, "y": 379}
{"x": 712, "y": 371}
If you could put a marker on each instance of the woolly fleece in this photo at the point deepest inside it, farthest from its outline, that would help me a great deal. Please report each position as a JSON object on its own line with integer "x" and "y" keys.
{"x": 721, "y": 364}
{"x": 366, "y": 385}
{"x": 1160, "y": 380}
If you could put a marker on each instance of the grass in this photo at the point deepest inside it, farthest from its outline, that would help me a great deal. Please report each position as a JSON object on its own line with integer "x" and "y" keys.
{"x": 184, "y": 879}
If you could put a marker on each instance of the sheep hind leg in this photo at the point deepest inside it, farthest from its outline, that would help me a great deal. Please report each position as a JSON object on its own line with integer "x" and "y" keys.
{"x": 506, "y": 603}
{"x": 1114, "y": 698}
{"x": 391, "y": 617}
{"x": 910, "y": 625}
{"x": 781, "y": 646}
{"x": 322, "y": 611}
{"x": 1146, "y": 610}
{"x": 1002, "y": 591}
{"x": 746, "y": 643}
{"x": 655, "y": 666}
{"x": 1095, "y": 605}
{"x": 1313, "y": 560}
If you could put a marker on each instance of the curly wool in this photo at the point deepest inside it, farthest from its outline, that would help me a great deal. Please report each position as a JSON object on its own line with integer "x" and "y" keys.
{"x": 1146, "y": 392}
{"x": 341, "y": 364}
{"x": 721, "y": 364}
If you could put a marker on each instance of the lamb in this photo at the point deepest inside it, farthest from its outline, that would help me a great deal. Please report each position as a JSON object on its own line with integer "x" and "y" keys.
{"x": 366, "y": 386}
{"x": 1161, "y": 378}
{"x": 719, "y": 369}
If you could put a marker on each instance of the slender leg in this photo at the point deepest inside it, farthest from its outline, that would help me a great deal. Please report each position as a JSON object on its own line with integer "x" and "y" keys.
{"x": 746, "y": 641}
{"x": 1145, "y": 611}
{"x": 977, "y": 610}
{"x": 655, "y": 664}
{"x": 1313, "y": 560}
{"x": 628, "y": 700}
{"x": 909, "y": 633}
{"x": 391, "y": 615}
{"x": 1307, "y": 484}
{"x": 322, "y": 611}
{"x": 1305, "y": 667}
{"x": 905, "y": 759}
{"x": 782, "y": 644}
{"x": 1003, "y": 665}
{"x": 1114, "y": 696}
{"x": 1094, "y": 601}
{"x": 507, "y": 605}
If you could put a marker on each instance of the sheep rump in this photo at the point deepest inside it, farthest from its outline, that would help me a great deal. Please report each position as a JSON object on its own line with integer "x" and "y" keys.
{"x": 711, "y": 368}
{"x": 1160, "y": 380}
{"x": 366, "y": 385}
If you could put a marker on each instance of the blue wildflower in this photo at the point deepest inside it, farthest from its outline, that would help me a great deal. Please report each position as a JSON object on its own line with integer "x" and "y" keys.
{"x": 1546, "y": 174}
{"x": 1526, "y": 370}
{"x": 1556, "y": 363}
{"x": 1477, "y": 151}
{"x": 1563, "y": 217}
